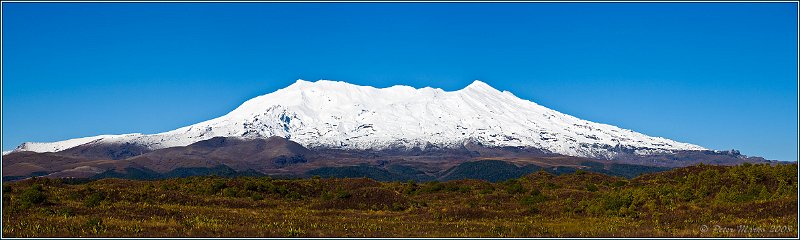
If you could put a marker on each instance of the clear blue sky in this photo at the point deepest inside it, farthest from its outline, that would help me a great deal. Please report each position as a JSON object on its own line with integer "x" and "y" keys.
{"x": 719, "y": 75}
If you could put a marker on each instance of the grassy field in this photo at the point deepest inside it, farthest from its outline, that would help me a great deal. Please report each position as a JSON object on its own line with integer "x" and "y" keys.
{"x": 698, "y": 201}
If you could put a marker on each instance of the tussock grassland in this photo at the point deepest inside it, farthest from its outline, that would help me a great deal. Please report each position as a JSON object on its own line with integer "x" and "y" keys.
{"x": 697, "y": 201}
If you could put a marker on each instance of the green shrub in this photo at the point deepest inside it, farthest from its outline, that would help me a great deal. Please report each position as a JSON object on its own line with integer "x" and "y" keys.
{"x": 615, "y": 204}
{"x": 514, "y": 187}
{"x": 591, "y": 187}
{"x": 230, "y": 192}
{"x": 281, "y": 190}
{"x": 433, "y": 187}
{"x": 32, "y": 196}
{"x": 398, "y": 207}
{"x": 533, "y": 198}
{"x": 216, "y": 186}
{"x": 341, "y": 194}
{"x": 487, "y": 190}
{"x": 94, "y": 199}
{"x": 94, "y": 225}
{"x": 256, "y": 197}
{"x": 551, "y": 186}
{"x": 293, "y": 195}
{"x": 169, "y": 187}
{"x": 250, "y": 186}
{"x": 327, "y": 195}
{"x": 410, "y": 187}
{"x": 66, "y": 212}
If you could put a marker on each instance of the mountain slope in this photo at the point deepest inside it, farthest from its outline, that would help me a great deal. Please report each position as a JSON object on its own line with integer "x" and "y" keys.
{"x": 339, "y": 115}
{"x": 241, "y": 155}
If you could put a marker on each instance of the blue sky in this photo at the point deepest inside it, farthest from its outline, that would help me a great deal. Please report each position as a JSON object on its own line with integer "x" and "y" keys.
{"x": 720, "y": 75}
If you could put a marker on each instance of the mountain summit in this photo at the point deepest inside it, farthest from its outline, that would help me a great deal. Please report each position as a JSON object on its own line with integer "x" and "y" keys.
{"x": 340, "y": 115}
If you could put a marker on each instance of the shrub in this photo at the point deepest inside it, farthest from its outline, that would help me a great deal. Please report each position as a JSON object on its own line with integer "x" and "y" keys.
{"x": 398, "y": 207}
{"x": 617, "y": 204}
{"x": 216, "y": 186}
{"x": 230, "y": 192}
{"x": 32, "y": 196}
{"x": 66, "y": 212}
{"x": 433, "y": 187}
{"x": 256, "y": 197}
{"x": 341, "y": 194}
{"x": 168, "y": 187}
{"x": 282, "y": 190}
{"x": 535, "y": 197}
{"x": 94, "y": 199}
{"x": 591, "y": 187}
{"x": 532, "y": 210}
{"x": 551, "y": 186}
{"x": 514, "y": 187}
{"x": 410, "y": 187}
{"x": 293, "y": 195}
{"x": 94, "y": 225}
{"x": 250, "y": 186}
{"x": 487, "y": 190}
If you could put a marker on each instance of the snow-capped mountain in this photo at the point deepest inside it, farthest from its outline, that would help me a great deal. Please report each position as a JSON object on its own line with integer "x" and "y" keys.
{"x": 331, "y": 114}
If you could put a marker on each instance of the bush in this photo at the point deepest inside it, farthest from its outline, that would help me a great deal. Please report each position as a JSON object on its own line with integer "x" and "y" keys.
{"x": 551, "y": 186}
{"x": 294, "y": 195}
{"x": 230, "y": 192}
{"x": 282, "y": 190}
{"x": 94, "y": 199}
{"x": 256, "y": 197}
{"x": 66, "y": 212}
{"x": 433, "y": 187}
{"x": 32, "y": 196}
{"x": 341, "y": 194}
{"x": 94, "y": 225}
{"x": 514, "y": 187}
{"x": 410, "y": 187}
{"x": 535, "y": 197}
{"x": 250, "y": 186}
{"x": 591, "y": 187}
{"x": 614, "y": 204}
{"x": 216, "y": 186}
{"x": 168, "y": 187}
{"x": 398, "y": 207}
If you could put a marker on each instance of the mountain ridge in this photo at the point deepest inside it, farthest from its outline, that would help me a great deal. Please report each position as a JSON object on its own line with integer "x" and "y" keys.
{"x": 333, "y": 114}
